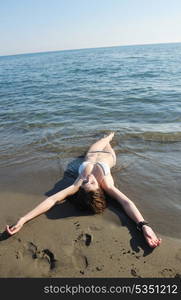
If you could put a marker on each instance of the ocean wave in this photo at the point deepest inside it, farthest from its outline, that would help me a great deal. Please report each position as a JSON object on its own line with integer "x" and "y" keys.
{"x": 155, "y": 136}
{"x": 147, "y": 74}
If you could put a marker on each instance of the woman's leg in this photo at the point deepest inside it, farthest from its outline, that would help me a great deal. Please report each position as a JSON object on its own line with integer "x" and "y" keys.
{"x": 110, "y": 149}
{"x": 101, "y": 144}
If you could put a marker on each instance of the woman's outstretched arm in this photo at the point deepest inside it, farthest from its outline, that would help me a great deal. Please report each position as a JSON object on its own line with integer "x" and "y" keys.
{"x": 131, "y": 210}
{"x": 45, "y": 205}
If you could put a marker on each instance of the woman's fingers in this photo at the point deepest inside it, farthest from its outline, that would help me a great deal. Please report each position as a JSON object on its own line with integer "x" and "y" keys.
{"x": 78, "y": 181}
{"x": 8, "y": 229}
{"x": 12, "y": 229}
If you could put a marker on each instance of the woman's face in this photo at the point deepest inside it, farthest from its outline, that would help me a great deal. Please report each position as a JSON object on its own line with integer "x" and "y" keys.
{"x": 90, "y": 184}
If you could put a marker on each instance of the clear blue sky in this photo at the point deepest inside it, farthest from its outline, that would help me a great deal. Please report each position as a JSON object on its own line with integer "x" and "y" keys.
{"x": 46, "y": 25}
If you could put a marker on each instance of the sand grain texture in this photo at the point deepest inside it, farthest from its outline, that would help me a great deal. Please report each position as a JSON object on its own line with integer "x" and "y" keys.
{"x": 86, "y": 246}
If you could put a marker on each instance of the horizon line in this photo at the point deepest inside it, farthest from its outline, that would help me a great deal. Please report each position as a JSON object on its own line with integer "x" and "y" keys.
{"x": 86, "y": 48}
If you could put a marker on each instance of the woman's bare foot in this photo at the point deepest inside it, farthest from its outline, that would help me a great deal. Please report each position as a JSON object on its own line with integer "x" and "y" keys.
{"x": 110, "y": 136}
{"x": 150, "y": 236}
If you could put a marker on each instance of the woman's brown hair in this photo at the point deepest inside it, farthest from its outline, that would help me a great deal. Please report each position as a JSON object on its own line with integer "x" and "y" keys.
{"x": 93, "y": 200}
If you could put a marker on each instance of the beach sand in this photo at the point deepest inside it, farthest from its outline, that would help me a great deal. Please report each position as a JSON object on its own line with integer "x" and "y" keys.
{"x": 67, "y": 243}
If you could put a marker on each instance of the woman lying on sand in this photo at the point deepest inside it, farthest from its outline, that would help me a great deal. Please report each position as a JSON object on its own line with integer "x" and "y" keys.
{"x": 94, "y": 178}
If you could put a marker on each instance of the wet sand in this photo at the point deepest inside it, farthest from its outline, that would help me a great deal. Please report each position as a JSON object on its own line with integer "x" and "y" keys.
{"x": 65, "y": 242}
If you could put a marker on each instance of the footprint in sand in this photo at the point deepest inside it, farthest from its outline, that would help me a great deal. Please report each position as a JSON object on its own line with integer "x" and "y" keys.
{"x": 167, "y": 272}
{"x": 79, "y": 258}
{"x": 84, "y": 239}
{"x": 134, "y": 273}
{"x": 77, "y": 225}
{"x": 42, "y": 254}
{"x": 43, "y": 258}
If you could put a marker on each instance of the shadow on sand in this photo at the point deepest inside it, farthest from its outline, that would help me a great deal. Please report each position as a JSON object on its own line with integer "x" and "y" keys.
{"x": 137, "y": 241}
{"x": 68, "y": 208}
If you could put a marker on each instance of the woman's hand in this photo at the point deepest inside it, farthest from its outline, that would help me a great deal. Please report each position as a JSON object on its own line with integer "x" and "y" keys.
{"x": 78, "y": 182}
{"x": 14, "y": 228}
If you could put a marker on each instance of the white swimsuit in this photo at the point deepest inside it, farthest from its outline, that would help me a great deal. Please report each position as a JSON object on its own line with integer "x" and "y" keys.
{"x": 104, "y": 166}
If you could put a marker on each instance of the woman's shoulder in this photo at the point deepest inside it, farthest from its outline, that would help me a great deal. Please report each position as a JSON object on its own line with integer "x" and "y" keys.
{"x": 107, "y": 181}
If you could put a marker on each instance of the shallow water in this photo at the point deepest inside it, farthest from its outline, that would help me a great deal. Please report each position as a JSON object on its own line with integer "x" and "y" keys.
{"x": 54, "y": 105}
